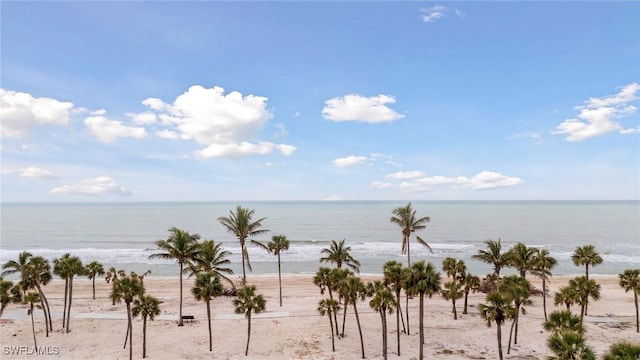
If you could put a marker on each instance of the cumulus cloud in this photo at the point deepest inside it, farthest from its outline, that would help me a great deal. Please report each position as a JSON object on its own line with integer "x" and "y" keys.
{"x": 598, "y": 115}
{"x": 101, "y": 185}
{"x": 167, "y": 134}
{"x": 350, "y": 160}
{"x": 109, "y": 130}
{"x": 145, "y": 118}
{"x": 436, "y": 12}
{"x": 224, "y": 123}
{"x": 359, "y": 108}
{"x": 37, "y": 173}
{"x": 415, "y": 181}
{"x": 20, "y": 112}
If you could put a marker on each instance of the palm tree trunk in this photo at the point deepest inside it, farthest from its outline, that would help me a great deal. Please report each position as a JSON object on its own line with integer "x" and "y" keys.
{"x": 279, "y": 279}
{"x": 586, "y": 304}
{"x": 582, "y": 311}
{"x": 244, "y": 273}
{"x": 333, "y": 341}
{"x": 209, "y": 320}
{"x": 44, "y": 312}
{"x": 69, "y": 305}
{"x": 513, "y": 323}
{"x": 517, "y": 320}
{"x": 408, "y": 254}
{"x": 499, "y": 335}
{"x": 144, "y": 337}
{"x": 355, "y": 310}
{"x": 398, "y": 313}
{"x": 94, "y": 287}
{"x": 64, "y": 307}
{"x": 130, "y": 331}
{"x": 335, "y": 316}
{"x": 384, "y": 332}
{"x": 126, "y": 336}
{"x": 635, "y": 299}
{"x": 33, "y": 327}
{"x": 544, "y": 296}
{"x": 46, "y": 304}
{"x": 344, "y": 315}
{"x": 246, "y": 351}
{"x": 421, "y": 324}
{"x": 455, "y": 311}
{"x": 406, "y": 309}
{"x": 466, "y": 297}
{"x": 180, "y": 323}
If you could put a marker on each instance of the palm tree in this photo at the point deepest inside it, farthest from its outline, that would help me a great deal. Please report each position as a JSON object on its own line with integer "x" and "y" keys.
{"x": 518, "y": 289}
{"x": 352, "y": 289}
{"x": 542, "y": 264}
{"x": 181, "y": 246}
{"x": 455, "y": 269}
{"x": 242, "y": 226}
{"x": 67, "y": 267}
{"x": 405, "y": 218}
{"x": 337, "y": 278}
{"x": 565, "y": 295}
{"x": 340, "y": 254}
{"x": 630, "y": 281}
{"x": 147, "y": 306}
{"x": 329, "y": 307}
{"x": 561, "y": 321}
{"x": 587, "y": 256}
{"x": 212, "y": 258}
{"x": 497, "y": 309}
{"x": 278, "y": 244}
{"x": 94, "y": 269}
{"x": 324, "y": 280}
{"x": 569, "y": 345}
{"x": 246, "y": 303}
{"x": 393, "y": 279}
{"x": 585, "y": 289}
{"x": 112, "y": 277}
{"x": 471, "y": 284}
{"x": 382, "y": 302}
{"x": 126, "y": 289}
{"x": 522, "y": 257}
{"x": 452, "y": 291}
{"x": 622, "y": 350}
{"x": 207, "y": 286}
{"x": 493, "y": 255}
{"x": 406, "y": 284}
{"x": 9, "y": 293}
{"x": 423, "y": 280}
{"x": 32, "y": 298}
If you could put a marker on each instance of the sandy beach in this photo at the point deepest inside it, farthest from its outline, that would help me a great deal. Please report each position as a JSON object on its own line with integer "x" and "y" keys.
{"x": 295, "y": 330}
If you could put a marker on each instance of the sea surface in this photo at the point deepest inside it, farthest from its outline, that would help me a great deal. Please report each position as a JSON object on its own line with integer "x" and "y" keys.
{"x": 123, "y": 234}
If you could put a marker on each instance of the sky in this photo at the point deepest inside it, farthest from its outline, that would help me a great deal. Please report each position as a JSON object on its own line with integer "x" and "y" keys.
{"x": 233, "y": 101}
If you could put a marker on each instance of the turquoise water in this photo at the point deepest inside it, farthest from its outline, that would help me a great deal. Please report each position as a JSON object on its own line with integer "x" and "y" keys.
{"x": 123, "y": 234}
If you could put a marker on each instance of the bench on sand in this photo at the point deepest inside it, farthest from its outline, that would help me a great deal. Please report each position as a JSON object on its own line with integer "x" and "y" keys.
{"x": 188, "y": 317}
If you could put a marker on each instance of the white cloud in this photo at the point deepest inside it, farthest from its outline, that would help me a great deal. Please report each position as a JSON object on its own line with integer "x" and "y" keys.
{"x": 167, "y": 134}
{"x": 37, "y": 173}
{"x": 224, "y": 124}
{"x": 486, "y": 180}
{"x": 349, "y": 161}
{"x": 405, "y": 175}
{"x": 359, "y": 108}
{"x": 109, "y": 130}
{"x": 381, "y": 185}
{"x": 630, "y": 131}
{"x": 101, "y": 185}
{"x": 535, "y": 137}
{"x": 20, "y": 112}
{"x": 436, "y": 12}
{"x": 145, "y": 118}
{"x": 597, "y": 116}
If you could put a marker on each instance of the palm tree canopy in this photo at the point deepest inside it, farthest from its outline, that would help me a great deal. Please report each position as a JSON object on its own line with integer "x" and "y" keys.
{"x": 565, "y": 295}
{"x": 127, "y": 289}
{"x": 630, "y": 280}
{"x": 586, "y": 255}
{"x": 517, "y": 288}
{"x": 328, "y": 306}
{"x": 340, "y": 254}
{"x": 393, "y": 275}
{"x": 622, "y": 350}
{"x": 493, "y": 255}
{"x": 207, "y": 286}
{"x": 68, "y": 266}
{"x": 15, "y": 266}
{"x": 497, "y": 309}
{"x": 212, "y": 258}
{"x": 278, "y": 244}
{"x": 94, "y": 268}
{"x": 382, "y": 299}
{"x": 241, "y": 224}
{"x": 585, "y": 289}
{"x": 569, "y": 345}
{"x": 423, "y": 279}
{"x": 405, "y": 218}
{"x": 522, "y": 257}
{"x": 248, "y": 301}
{"x": 147, "y": 306}
{"x": 352, "y": 289}
{"x": 180, "y": 245}
{"x": 454, "y": 268}
{"x": 543, "y": 263}
{"x": 560, "y": 321}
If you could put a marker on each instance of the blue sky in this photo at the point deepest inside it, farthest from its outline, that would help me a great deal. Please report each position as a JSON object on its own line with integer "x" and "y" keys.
{"x": 139, "y": 101}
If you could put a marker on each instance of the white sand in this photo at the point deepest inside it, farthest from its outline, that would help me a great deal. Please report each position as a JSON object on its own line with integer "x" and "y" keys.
{"x": 296, "y": 330}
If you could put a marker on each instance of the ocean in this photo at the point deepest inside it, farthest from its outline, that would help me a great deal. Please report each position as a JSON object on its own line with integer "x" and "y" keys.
{"x": 123, "y": 234}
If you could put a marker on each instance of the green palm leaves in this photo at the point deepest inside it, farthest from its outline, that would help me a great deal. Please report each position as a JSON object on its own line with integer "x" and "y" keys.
{"x": 423, "y": 279}
{"x": 94, "y": 269}
{"x": 340, "y": 254}
{"x": 587, "y": 256}
{"x": 207, "y": 286}
{"x": 630, "y": 281}
{"x": 405, "y": 218}
{"x": 278, "y": 244}
{"x": 497, "y": 309}
{"x": 146, "y": 306}
{"x": 248, "y": 303}
{"x": 493, "y": 255}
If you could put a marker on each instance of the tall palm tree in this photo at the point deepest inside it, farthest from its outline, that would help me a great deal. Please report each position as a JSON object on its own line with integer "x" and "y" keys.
{"x": 183, "y": 248}
{"x": 561, "y": 321}
{"x": 454, "y": 268}
{"x": 392, "y": 271}
{"x": 453, "y": 291}
{"x": 622, "y": 350}
{"x": 67, "y": 267}
{"x": 521, "y": 257}
{"x": 242, "y": 226}
{"x": 493, "y": 255}
{"x": 324, "y": 280}
{"x": 498, "y": 309}
{"x": 569, "y": 345}
{"x": 423, "y": 280}
{"x": 207, "y": 287}
{"x": 382, "y": 302}
{"x": 585, "y": 289}
{"x": 518, "y": 289}
{"x": 353, "y": 290}
{"x": 9, "y": 293}
{"x": 340, "y": 254}
{"x": 94, "y": 269}
{"x": 32, "y": 298}
{"x": 542, "y": 264}
{"x": 278, "y": 244}
{"x": 566, "y": 295}
{"x": 127, "y": 289}
{"x": 630, "y": 281}
{"x": 112, "y": 277}
{"x": 329, "y": 307}
{"x": 471, "y": 284}
{"x": 587, "y": 256}
{"x": 149, "y": 307}
{"x": 212, "y": 258}
{"x": 405, "y": 218}
{"x": 247, "y": 303}
{"x": 338, "y": 277}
